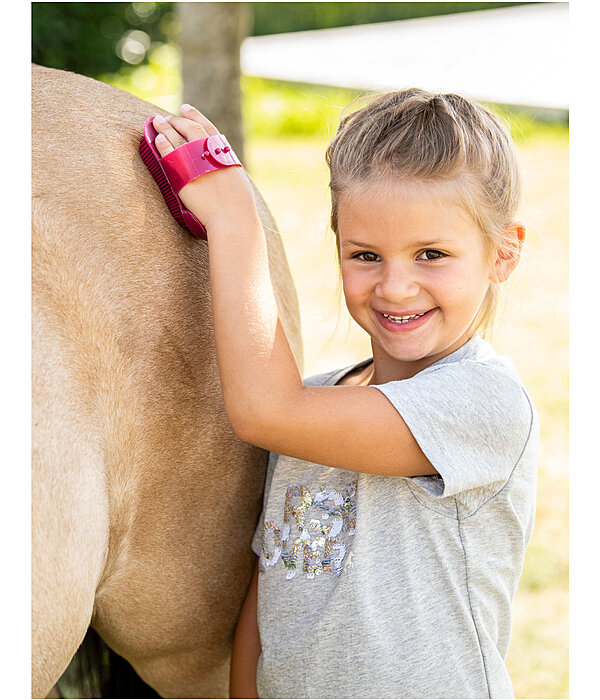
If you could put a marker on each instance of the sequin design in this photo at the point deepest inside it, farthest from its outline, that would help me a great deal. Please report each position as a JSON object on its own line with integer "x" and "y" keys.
{"x": 271, "y": 554}
{"x": 315, "y": 532}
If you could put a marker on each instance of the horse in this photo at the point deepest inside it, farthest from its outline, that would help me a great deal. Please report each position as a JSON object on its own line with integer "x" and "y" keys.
{"x": 144, "y": 502}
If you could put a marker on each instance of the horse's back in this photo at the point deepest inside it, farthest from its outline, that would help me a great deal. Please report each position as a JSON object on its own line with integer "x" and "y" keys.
{"x": 159, "y": 496}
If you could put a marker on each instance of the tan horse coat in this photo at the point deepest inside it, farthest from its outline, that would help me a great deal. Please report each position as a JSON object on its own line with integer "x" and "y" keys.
{"x": 144, "y": 501}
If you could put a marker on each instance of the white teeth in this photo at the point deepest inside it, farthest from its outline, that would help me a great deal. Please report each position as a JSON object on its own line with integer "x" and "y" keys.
{"x": 402, "y": 319}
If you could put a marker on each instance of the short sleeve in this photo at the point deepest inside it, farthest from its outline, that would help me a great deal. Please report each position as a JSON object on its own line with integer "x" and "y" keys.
{"x": 471, "y": 420}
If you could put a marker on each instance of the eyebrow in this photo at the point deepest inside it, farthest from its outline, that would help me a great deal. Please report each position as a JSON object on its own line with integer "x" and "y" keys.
{"x": 345, "y": 244}
{"x": 415, "y": 244}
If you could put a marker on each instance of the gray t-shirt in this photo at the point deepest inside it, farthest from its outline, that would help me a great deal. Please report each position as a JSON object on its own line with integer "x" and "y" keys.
{"x": 394, "y": 587}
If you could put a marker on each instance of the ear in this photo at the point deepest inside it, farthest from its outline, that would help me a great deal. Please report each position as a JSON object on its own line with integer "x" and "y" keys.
{"x": 508, "y": 253}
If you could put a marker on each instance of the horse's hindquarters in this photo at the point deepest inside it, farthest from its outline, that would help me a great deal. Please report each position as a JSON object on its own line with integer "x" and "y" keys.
{"x": 69, "y": 515}
{"x": 145, "y": 502}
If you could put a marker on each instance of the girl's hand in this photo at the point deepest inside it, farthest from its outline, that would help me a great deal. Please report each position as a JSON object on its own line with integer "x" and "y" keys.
{"x": 219, "y": 197}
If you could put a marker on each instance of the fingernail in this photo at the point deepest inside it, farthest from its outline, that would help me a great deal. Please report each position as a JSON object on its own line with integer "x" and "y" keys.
{"x": 161, "y": 137}
{"x": 159, "y": 119}
{"x": 186, "y": 106}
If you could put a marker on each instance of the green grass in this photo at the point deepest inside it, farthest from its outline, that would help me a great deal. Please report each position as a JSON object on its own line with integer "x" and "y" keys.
{"x": 277, "y": 108}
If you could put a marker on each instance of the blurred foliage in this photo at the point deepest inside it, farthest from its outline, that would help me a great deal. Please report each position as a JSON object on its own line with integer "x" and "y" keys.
{"x": 157, "y": 80}
{"x": 133, "y": 45}
{"x": 103, "y": 38}
{"x": 277, "y": 17}
{"x": 93, "y": 38}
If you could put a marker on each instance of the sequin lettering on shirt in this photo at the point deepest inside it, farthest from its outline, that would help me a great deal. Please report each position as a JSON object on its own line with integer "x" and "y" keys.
{"x": 313, "y": 539}
{"x": 271, "y": 544}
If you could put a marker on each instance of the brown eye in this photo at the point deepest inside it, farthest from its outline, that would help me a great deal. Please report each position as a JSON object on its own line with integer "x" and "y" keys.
{"x": 431, "y": 254}
{"x": 367, "y": 256}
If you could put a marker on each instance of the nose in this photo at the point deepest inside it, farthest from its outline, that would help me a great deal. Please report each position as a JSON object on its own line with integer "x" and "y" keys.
{"x": 398, "y": 283}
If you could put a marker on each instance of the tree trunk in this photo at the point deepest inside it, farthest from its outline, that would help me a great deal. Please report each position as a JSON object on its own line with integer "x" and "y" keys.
{"x": 211, "y": 36}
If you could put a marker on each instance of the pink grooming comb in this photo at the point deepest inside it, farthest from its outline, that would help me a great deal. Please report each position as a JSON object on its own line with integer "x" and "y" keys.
{"x": 183, "y": 165}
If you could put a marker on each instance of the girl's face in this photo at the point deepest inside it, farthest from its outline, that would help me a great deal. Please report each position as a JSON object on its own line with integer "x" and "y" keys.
{"x": 415, "y": 271}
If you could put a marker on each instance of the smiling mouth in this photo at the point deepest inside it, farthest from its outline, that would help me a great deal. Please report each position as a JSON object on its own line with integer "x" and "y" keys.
{"x": 403, "y": 319}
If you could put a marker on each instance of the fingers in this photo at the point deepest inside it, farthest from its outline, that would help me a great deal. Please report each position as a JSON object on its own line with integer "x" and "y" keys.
{"x": 162, "y": 145}
{"x": 192, "y": 113}
{"x": 191, "y": 130}
{"x": 163, "y": 126}
{"x": 168, "y": 138}
{"x": 175, "y": 131}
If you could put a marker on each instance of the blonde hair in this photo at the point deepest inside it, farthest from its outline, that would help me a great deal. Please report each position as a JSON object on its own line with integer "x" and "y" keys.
{"x": 430, "y": 138}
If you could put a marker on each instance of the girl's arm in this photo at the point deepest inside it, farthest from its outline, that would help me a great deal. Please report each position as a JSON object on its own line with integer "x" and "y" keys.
{"x": 246, "y": 646}
{"x": 354, "y": 428}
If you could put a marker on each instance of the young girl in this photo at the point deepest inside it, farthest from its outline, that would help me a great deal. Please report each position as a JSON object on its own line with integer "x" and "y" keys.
{"x": 400, "y": 492}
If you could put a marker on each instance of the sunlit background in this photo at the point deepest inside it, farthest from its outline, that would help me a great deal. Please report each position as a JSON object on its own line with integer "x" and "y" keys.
{"x": 287, "y": 126}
